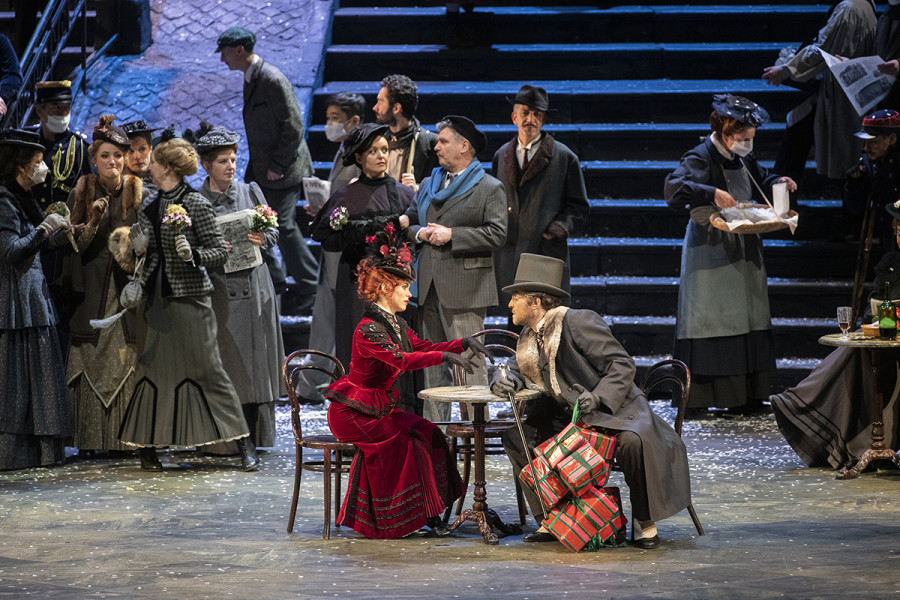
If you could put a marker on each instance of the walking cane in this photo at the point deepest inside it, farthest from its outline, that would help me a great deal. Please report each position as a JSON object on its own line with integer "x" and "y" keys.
{"x": 862, "y": 258}
{"x": 504, "y": 372}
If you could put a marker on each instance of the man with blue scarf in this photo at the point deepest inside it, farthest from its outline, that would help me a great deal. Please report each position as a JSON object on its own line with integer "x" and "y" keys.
{"x": 459, "y": 220}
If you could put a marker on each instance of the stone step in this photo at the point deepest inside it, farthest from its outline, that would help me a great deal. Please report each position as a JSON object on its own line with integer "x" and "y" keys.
{"x": 598, "y": 141}
{"x": 512, "y": 24}
{"x": 566, "y": 61}
{"x": 727, "y": 4}
{"x": 608, "y": 101}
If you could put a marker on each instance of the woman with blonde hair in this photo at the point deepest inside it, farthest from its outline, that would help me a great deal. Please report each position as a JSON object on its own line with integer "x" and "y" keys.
{"x": 182, "y": 396}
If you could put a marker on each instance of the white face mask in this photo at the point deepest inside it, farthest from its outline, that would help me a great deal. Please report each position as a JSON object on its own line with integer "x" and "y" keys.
{"x": 57, "y": 124}
{"x": 742, "y": 148}
{"x": 334, "y": 131}
{"x": 40, "y": 173}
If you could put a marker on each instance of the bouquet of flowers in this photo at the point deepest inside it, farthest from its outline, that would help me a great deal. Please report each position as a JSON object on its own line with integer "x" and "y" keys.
{"x": 176, "y": 219}
{"x": 338, "y": 218}
{"x": 62, "y": 210}
{"x": 264, "y": 219}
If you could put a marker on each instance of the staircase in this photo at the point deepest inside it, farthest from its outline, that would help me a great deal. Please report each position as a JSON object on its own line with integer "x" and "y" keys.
{"x": 633, "y": 86}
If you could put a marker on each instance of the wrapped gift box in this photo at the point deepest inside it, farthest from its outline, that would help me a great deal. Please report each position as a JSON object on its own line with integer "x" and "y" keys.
{"x": 583, "y": 468}
{"x": 566, "y": 442}
{"x": 577, "y": 521}
{"x": 548, "y": 486}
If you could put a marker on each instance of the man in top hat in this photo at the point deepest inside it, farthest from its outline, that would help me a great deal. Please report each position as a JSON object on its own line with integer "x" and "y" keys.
{"x": 545, "y": 193}
{"x": 279, "y": 158}
{"x": 411, "y": 156}
{"x": 571, "y": 355}
{"x": 65, "y": 152}
{"x": 877, "y": 176}
{"x": 459, "y": 220}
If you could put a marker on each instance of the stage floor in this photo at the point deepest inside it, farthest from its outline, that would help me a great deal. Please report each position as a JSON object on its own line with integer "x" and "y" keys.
{"x": 204, "y": 529}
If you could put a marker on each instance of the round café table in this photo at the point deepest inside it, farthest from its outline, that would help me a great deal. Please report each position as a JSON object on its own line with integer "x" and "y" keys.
{"x": 877, "y": 451}
{"x": 478, "y": 397}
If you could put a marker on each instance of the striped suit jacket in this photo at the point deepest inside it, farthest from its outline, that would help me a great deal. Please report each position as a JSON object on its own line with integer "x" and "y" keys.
{"x": 462, "y": 270}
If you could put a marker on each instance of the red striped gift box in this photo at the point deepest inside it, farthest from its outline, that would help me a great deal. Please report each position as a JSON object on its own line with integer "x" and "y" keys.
{"x": 594, "y": 513}
{"x": 583, "y": 468}
{"x": 567, "y": 441}
{"x": 548, "y": 486}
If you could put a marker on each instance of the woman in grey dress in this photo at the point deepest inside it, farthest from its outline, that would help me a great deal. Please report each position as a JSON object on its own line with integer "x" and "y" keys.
{"x": 100, "y": 368}
{"x": 182, "y": 395}
{"x": 723, "y": 326}
{"x": 249, "y": 331}
{"x": 35, "y": 412}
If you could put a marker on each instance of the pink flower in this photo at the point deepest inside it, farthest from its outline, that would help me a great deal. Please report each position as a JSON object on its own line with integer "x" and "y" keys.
{"x": 370, "y": 239}
{"x": 389, "y": 228}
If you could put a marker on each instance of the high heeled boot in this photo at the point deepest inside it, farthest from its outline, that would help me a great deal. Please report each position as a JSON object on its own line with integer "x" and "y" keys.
{"x": 149, "y": 460}
{"x": 249, "y": 459}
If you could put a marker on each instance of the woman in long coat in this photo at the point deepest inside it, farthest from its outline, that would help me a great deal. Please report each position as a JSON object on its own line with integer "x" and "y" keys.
{"x": 100, "y": 370}
{"x": 35, "y": 411}
{"x": 723, "y": 326}
{"x": 249, "y": 331}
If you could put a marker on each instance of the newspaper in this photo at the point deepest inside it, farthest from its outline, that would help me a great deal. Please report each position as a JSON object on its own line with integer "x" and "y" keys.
{"x": 316, "y": 191}
{"x": 861, "y": 80}
{"x": 244, "y": 254}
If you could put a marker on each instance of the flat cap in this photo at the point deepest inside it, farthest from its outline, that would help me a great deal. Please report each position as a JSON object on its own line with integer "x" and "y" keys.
{"x": 466, "y": 128}
{"x": 236, "y": 36}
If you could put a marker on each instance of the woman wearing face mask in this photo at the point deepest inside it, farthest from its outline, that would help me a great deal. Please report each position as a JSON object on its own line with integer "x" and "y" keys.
{"x": 723, "y": 326}
{"x": 370, "y": 202}
{"x": 35, "y": 412}
{"x": 249, "y": 332}
{"x": 101, "y": 361}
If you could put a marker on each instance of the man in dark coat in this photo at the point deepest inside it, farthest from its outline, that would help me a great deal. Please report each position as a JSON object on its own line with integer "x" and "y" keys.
{"x": 279, "y": 158}
{"x": 571, "y": 355}
{"x": 411, "y": 156}
{"x": 459, "y": 219}
{"x": 545, "y": 193}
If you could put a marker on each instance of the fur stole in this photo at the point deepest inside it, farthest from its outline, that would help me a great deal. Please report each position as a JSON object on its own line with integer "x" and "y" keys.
{"x": 85, "y": 194}
{"x": 528, "y": 354}
{"x": 120, "y": 248}
{"x": 538, "y": 162}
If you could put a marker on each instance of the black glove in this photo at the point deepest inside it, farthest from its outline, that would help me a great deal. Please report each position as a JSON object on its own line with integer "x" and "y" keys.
{"x": 503, "y": 386}
{"x": 556, "y": 230}
{"x": 588, "y": 402}
{"x": 471, "y": 343}
{"x": 467, "y": 363}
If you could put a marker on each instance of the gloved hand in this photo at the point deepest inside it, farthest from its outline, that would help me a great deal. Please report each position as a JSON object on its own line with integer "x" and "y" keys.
{"x": 139, "y": 239}
{"x": 183, "y": 248}
{"x": 467, "y": 363}
{"x": 556, "y": 230}
{"x": 503, "y": 386}
{"x": 97, "y": 209}
{"x": 479, "y": 349}
{"x": 588, "y": 402}
{"x": 52, "y": 222}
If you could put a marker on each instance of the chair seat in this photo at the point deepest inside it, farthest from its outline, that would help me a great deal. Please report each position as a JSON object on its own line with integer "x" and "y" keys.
{"x": 325, "y": 441}
{"x": 492, "y": 429}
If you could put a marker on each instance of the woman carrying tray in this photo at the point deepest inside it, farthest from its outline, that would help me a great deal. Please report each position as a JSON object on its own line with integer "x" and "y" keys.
{"x": 723, "y": 330}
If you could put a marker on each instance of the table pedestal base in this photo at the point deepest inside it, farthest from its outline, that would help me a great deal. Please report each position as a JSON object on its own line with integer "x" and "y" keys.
{"x": 870, "y": 455}
{"x": 487, "y": 521}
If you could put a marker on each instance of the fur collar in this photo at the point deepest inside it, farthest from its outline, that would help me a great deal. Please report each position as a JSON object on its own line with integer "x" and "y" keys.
{"x": 538, "y": 163}
{"x": 379, "y": 316}
{"x": 85, "y": 194}
{"x": 528, "y": 355}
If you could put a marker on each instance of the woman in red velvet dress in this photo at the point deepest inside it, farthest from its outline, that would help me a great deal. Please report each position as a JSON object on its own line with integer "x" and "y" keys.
{"x": 403, "y": 475}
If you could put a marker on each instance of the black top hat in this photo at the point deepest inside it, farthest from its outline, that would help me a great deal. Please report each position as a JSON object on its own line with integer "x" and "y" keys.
{"x": 880, "y": 122}
{"x": 534, "y": 97}
{"x": 466, "y": 128}
{"x": 105, "y": 131}
{"x": 386, "y": 252}
{"x": 537, "y": 273}
{"x": 737, "y": 107}
{"x": 236, "y": 36}
{"x": 53, "y": 91}
{"x": 359, "y": 140}
{"x": 208, "y": 137}
{"x": 21, "y": 138}
{"x": 139, "y": 127}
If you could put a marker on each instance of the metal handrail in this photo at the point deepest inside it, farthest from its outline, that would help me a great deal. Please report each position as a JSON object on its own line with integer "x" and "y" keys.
{"x": 42, "y": 53}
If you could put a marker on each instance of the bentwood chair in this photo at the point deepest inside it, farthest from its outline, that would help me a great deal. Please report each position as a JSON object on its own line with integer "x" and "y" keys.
{"x": 673, "y": 371}
{"x": 331, "y": 466}
{"x": 462, "y": 433}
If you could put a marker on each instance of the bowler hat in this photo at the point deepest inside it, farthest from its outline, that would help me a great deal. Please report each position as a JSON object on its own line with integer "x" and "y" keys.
{"x": 21, "y": 138}
{"x": 53, "y": 91}
{"x": 880, "y": 122}
{"x": 533, "y": 97}
{"x": 236, "y": 36}
{"x": 537, "y": 273}
{"x": 466, "y": 128}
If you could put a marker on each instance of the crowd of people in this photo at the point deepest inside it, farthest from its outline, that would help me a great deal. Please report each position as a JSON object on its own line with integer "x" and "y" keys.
{"x": 133, "y": 324}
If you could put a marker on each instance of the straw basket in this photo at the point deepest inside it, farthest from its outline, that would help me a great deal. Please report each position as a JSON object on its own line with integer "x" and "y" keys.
{"x": 718, "y": 222}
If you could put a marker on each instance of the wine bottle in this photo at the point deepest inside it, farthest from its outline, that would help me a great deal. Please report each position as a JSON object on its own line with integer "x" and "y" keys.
{"x": 887, "y": 316}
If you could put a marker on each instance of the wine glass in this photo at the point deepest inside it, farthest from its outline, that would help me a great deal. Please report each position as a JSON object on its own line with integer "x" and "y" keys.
{"x": 843, "y": 317}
